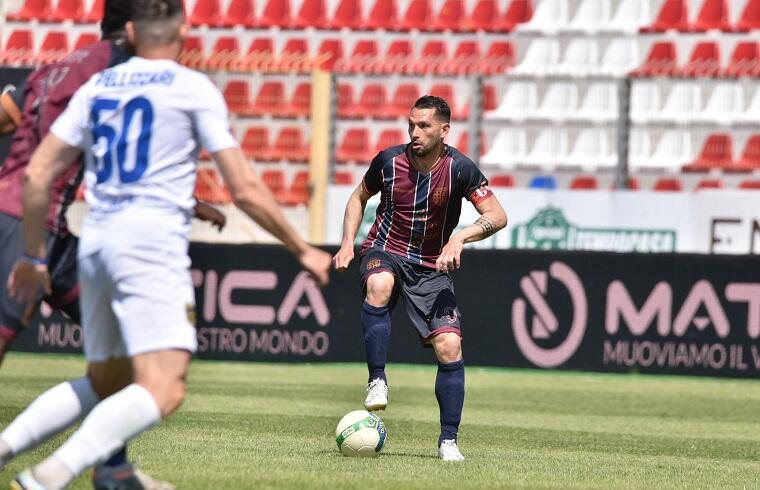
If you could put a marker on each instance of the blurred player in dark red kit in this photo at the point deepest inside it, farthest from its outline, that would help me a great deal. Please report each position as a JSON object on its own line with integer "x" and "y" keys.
{"x": 411, "y": 249}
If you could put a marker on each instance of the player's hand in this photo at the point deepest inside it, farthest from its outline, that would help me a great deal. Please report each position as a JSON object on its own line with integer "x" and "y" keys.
{"x": 317, "y": 263}
{"x": 343, "y": 258}
{"x": 205, "y": 212}
{"x": 450, "y": 258}
{"x": 26, "y": 280}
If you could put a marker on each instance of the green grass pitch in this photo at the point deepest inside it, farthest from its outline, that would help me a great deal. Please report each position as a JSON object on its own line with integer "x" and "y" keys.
{"x": 272, "y": 426}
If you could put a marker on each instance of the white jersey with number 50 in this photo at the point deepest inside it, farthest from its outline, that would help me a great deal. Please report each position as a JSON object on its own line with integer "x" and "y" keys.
{"x": 141, "y": 125}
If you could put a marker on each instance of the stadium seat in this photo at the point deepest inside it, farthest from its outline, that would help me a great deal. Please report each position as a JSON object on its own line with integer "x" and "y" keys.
{"x": 345, "y": 98}
{"x": 541, "y": 57}
{"x": 549, "y": 148}
{"x": 311, "y": 14}
{"x": 547, "y": 182}
{"x": 354, "y": 147}
{"x": 270, "y": 99}
{"x": 290, "y": 146}
{"x": 85, "y": 39}
{"x": 517, "y": 12}
{"x": 706, "y": 184}
{"x": 276, "y": 14}
{"x": 639, "y": 149}
{"x": 717, "y": 152}
{"x": 629, "y": 16}
{"x": 725, "y": 105}
{"x": 348, "y": 15}
{"x": 33, "y": 9}
{"x": 210, "y": 188}
{"x": 398, "y": 57}
{"x": 193, "y": 55}
{"x": 389, "y": 138}
{"x": 645, "y": 101}
{"x": 72, "y": 10}
{"x": 294, "y": 56}
{"x": 384, "y": 15}
{"x": 498, "y": 59}
{"x": 668, "y": 184}
{"x": 488, "y": 96}
{"x": 240, "y": 13}
{"x": 238, "y": 97}
{"x": 508, "y": 148}
{"x": 713, "y": 15}
{"x": 661, "y": 61}
{"x": 750, "y": 185}
{"x": 19, "y": 49}
{"x": 450, "y": 16}
{"x": 275, "y": 181}
{"x": 749, "y": 19}
{"x": 205, "y": 12}
{"x": 560, "y": 101}
{"x": 298, "y": 193}
{"x": 330, "y": 55}
{"x": 300, "y": 103}
{"x": 673, "y": 15}
{"x": 548, "y": 17}
{"x": 96, "y": 12}
{"x": 433, "y": 57}
{"x": 501, "y": 180}
{"x": 684, "y": 102}
{"x": 446, "y": 92}
{"x": 484, "y": 17}
{"x": 403, "y": 99}
{"x": 343, "y": 178}
{"x": 620, "y": 57}
{"x": 745, "y": 60}
{"x": 752, "y": 113}
{"x": 584, "y": 183}
{"x": 600, "y": 102}
{"x": 364, "y": 57}
{"x": 465, "y": 59}
{"x": 704, "y": 61}
{"x": 581, "y": 58}
{"x": 519, "y": 101}
{"x": 750, "y": 158}
{"x": 590, "y": 16}
{"x": 373, "y": 102}
{"x": 260, "y": 55}
{"x": 418, "y": 16}
{"x": 463, "y": 144}
{"x": 54, "y": 47}
{"x": 672, "y": 150}
{"x": 225, "y": 55}
{"x": 590, "y": 151}
{"x": 255, "y": 144}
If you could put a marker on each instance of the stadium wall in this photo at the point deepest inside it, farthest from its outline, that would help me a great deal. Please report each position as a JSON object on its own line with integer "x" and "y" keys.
{"x": 650, "y": 313}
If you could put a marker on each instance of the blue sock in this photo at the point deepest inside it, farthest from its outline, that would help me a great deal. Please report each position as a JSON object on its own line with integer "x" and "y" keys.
{"x": 376, "y": 325}
{"x": 449, "y": 390}
{"x": 119, "y": 458}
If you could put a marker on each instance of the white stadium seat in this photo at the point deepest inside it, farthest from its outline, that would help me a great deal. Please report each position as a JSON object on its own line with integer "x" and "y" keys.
{"x": 541, "y": 57}
{"x": 591, "y": 16}
{"x": 600, "y": 102}
{"x": 560, "y": 101}
{"x": 645, "y": 101}
{"x": 508, "y": 148}
{"x": 519, "y": 101}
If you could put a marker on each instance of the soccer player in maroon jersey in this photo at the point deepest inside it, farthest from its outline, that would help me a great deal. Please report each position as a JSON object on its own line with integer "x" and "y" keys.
{"x": 411, "y": 249}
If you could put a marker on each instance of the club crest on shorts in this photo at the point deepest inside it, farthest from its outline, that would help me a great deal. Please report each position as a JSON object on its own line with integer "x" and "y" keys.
{"x": 191, "y": 316}
{"x": 450, "y": 315}
{"x": 373, "y": 264}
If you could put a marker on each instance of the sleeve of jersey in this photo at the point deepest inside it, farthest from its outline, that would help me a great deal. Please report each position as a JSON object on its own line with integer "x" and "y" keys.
{"x": 475, "y": 184}
{"x": 373, "y": 178}
{"x": 72, "y": 125}
{"x": 212, "y": 122}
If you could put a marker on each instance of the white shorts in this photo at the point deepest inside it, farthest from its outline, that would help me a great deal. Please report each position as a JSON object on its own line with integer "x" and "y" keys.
{"x": 135, "y": 297}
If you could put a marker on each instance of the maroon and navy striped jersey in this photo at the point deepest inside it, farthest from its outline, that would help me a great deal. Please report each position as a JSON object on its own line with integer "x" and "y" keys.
{"x": 418, "y": 212}
{"x": 47, "y": 93}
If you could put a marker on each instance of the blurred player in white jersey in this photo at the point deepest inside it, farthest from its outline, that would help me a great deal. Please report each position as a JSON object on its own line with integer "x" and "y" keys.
{"x": 141, "y": 125}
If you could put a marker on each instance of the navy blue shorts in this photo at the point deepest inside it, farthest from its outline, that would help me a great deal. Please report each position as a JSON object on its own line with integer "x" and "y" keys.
{"x": 62, "y": 264}
{"x": 428, "y": 294}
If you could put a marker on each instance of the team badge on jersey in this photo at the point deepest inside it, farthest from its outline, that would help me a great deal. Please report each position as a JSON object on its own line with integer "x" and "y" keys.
{"x": 440, "y": 196}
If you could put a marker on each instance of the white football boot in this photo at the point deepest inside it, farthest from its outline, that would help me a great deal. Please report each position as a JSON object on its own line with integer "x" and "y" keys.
{"x": 377, "y": 395}
{"x": 449, "y": 451}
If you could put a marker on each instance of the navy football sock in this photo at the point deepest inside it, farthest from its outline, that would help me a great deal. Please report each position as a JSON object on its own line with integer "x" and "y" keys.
{"x": 118, "y": 459}
{"x": 449, "y": 390}
{"x": 376, "y": 325}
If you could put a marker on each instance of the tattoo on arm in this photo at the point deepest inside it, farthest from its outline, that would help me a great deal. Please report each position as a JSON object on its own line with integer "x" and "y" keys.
{"x": 486, "y": 225}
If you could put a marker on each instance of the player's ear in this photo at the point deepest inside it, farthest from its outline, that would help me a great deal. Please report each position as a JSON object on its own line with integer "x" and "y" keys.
{"x": 445, "y": 127}
{"x": 131, "y": 34}
{"x": 184, "y": 31}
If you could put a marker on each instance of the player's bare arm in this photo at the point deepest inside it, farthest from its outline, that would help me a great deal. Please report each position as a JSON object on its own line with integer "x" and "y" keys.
{"x": 10, "y": 113}
{"x": 492, "y": 219}
{"x": 254, "y": 198}
{"x": 352, "y": 219}
{"x": 49, "y": 161}
{"x": 206, "y": 212}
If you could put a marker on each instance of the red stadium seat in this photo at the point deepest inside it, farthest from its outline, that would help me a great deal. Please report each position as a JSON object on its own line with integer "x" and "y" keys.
{"x": 662, "y": 60}
{"x": 290, "y": 146}
{"x": 298, "y": 194}
{"x": 54, "y": 47}
{"x": 708, "y": 184}
{"x": 295, "y": 56}
{"x": 501, "y": 180}
{"x": 717, "y": 152}
{"x": 311, "y": 14}
{"x": 389, "y": 138}
{"x": 348, "y": 15}
{"x": 750, "y": 158}
{"x": 19, "y": 50}
{"x": 270, "y": 100}
{"x": 225, "y": 55}
{"x": 210, "y": 188}
{"x": 260, "y": 56}
{"x": 343, "y": 178}
{"x": 382, "y": 16}
{"x": 704, "y": 61}
{"x": 255, "y": 144}
{"x": 300, "y": 103}
{"x": 483, "y": 18}
{"x": 499, "y": 58}
{"x": 418, "y": 16}
{"x": 466, "y": 59}
{"x": 434, "y": 55}
{"x": 364, "y": 57}
{"x": 463, "y": 144}
{"x": 750, "y": 184}
{"x": 450, "y": 16}
{"x": 518, "y": 12}
{"x": 238, "y": 97}
{"x": 274, "y": 180}
{"x": 745, "y": 60}
{"x": 205, "y": 12}
{"x": 354, "y": 147}
{"x": 668, "y": 184}
{"x": 404, "y": 98}
{"x": 33, "y": 9}
{"x": 85, "y": 39}
{"x": 345, "y": 100}
{"x": 489, "y": 98}
{"x": 193, "y": 53}
{"x": 276, "y": 14}
{"x": 398, "y": 57}
{"x": 330, "y": 55}
{"x": 70, "y": 10}
{"x": 96, "y": 12}
{"x": 447, "y": 93}
{"x": 750, "y": 17}
{"x": 373, "y": 102}
{"x": 632, "y": 184}
{"x": 584, "y": 183}
{"x": 674, "y": 14}
{"x": 240, "y": 13}
{"x": 712, "y": 15}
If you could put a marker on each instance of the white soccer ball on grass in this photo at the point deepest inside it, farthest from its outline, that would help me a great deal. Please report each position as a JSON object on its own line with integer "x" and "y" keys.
{"x": 360, "y": 433}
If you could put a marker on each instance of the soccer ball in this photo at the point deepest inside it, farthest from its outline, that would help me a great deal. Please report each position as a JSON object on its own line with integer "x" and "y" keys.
{"x": 360, "y": 433}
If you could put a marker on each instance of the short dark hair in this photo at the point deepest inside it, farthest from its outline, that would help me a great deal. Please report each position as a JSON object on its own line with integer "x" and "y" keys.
{"x": 157, "y": 10}
{"x": 116, "y": 14}
{"x": 442, "y": 109}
